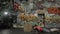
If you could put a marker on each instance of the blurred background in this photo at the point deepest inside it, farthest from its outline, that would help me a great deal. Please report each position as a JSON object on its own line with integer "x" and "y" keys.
{"x": 22, "y": 16}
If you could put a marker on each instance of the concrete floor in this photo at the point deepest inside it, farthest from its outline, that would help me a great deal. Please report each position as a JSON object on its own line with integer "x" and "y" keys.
{"x": 18, "y": 31}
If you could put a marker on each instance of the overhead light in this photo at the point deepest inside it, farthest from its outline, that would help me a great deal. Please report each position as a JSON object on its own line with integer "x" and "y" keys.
{"x": 5, "y": 13}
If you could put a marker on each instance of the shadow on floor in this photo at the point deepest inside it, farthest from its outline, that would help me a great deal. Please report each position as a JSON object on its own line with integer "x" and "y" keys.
{"x": 19, "y": 31}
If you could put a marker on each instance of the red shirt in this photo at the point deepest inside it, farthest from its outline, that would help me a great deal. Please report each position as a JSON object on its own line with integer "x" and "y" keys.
{"x": 16, "y": 5}
{"x": 39, "y": 28}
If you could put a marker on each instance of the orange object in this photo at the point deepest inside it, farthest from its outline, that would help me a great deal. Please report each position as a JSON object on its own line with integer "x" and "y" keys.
{"x": 53, "y": 10}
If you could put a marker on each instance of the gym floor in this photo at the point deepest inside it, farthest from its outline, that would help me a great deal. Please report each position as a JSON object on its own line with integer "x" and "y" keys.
{"x": 18, "y": 31}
